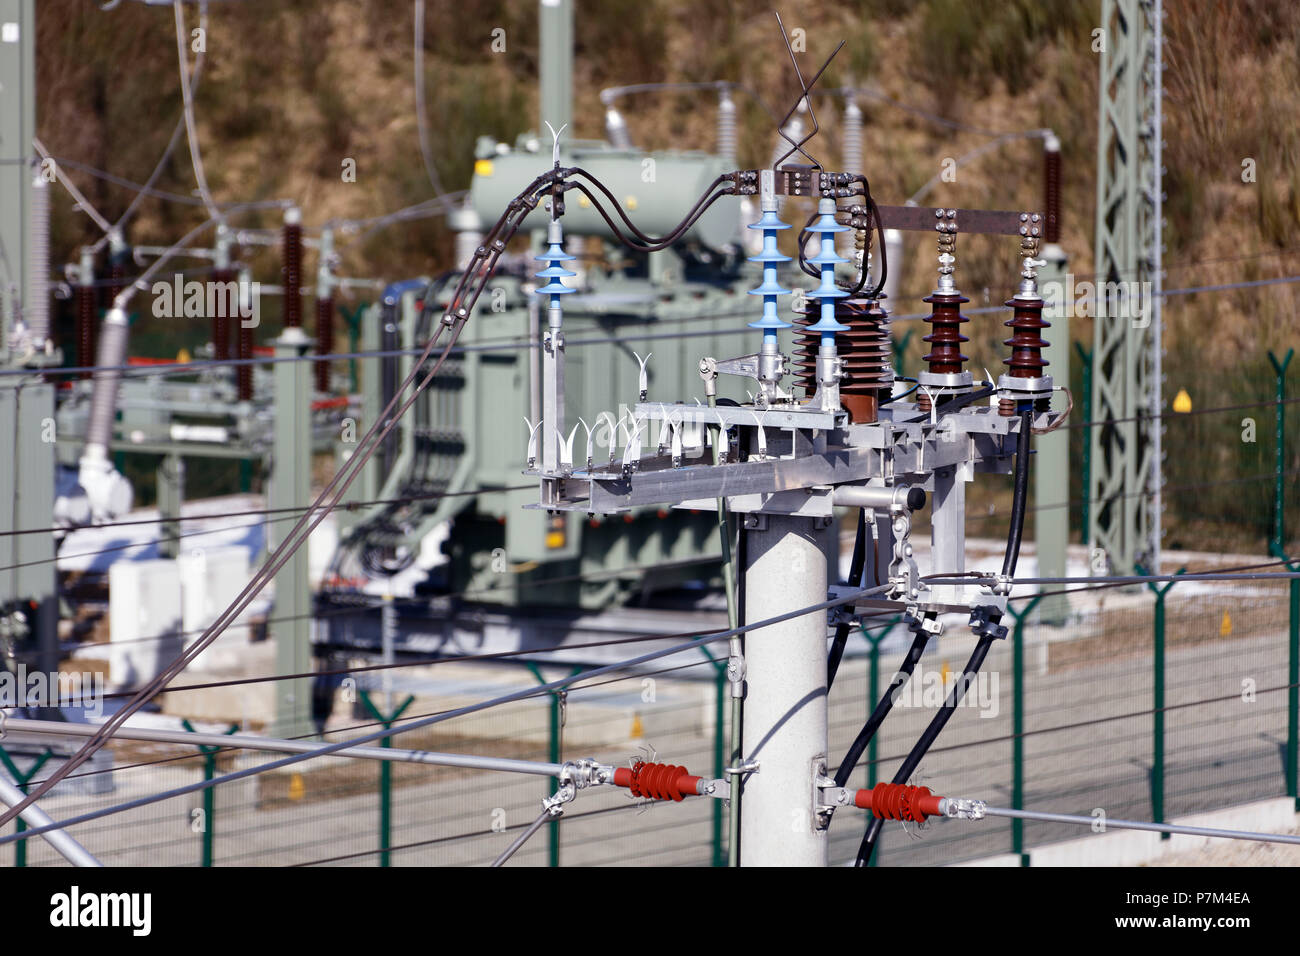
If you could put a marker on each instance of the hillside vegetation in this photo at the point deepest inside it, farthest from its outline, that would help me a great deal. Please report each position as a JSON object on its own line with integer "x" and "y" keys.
{"x": 291, "y": 88}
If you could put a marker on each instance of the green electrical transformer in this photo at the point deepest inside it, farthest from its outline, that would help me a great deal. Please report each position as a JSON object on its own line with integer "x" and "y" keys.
{"x": 451, "y": 471}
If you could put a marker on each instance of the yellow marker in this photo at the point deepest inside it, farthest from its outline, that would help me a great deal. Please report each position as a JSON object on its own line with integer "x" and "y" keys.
{"x": 296, "y": 787}
{"x": 483, "y": 167}
{"x": 584, "y": 202}
{"x": 637, "y": 730}
{"x": 1182, "y": 402}
{"x": 944, "y": 673}
{"x": 555, "y": 539}
{"x": 630, "y": 202}
{"x": 1225, "y": 627}
{"x": 183, "y": 355}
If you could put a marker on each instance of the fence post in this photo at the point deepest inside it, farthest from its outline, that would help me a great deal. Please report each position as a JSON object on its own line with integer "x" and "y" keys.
{"x": 21, "y": 780}
{"x": 1293, "y": 689}
{"x": 1278, "y": 549}
{"x": 1278, "y": 545}
{"x": 873, "y": 695}
{"x": 900, "y": 347}
{"x": 1085, "y": 362}
{"x": 722, "y": 687}
{"x": 386, "y": 775}
{"x": 1158, "y": 699}
{"x": 559, "y": 701}
{"x": 1018, "y": 725}
{"x": 209, "y": 753}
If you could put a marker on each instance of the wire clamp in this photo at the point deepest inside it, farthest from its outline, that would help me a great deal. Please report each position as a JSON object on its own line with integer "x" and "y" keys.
{"x": 736, "y": 669}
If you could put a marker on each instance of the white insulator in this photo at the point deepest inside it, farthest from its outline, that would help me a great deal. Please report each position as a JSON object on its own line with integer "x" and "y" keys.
{"x": 852, "y": 158}
{"x": 852, "y": 136}
{"x": 726, "y": 126}
{"x": 465, "y": 222}
{"x": 894, "y": 250}
{"x": 616, "y": 129}
{"x": 112, "y": 355}
{"x": 36, "y": 308}
{"x": 466, "y": 244}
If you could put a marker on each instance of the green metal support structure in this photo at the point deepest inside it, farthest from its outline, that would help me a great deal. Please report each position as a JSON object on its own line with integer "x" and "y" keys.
{"x": 1018, "y": 725}
{"x": 386, "y": 775}
{"x": 21, "y": 780}
{"x": 1126, "y": 387}
{"x": 209, "y": 830}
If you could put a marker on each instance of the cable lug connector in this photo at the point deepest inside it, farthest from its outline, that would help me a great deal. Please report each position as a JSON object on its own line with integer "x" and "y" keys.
{"x": 960, "y": 808}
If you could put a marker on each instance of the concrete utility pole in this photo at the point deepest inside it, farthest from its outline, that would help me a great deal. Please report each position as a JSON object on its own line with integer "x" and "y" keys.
{"x": 785, "y": 706}
{"x": 291, "y": 488}
{"x": 1052, "y": 451}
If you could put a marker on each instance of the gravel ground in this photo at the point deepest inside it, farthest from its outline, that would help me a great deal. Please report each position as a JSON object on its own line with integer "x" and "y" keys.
{"x": 1235, "y": 853}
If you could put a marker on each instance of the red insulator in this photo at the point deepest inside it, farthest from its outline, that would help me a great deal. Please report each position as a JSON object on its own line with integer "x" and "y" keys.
{"x": 1026, "y": 342}
{"x": 945, "y": 340}
{"x": 324, "y": 341}
{"x": 220, "y": 317}
{"x": 898, "y": 801}
{"x": 657, "y": 781}
{"x": 291, "y": 267}
{"x": 86, "y": 330}
{"x": 865, "y": 351}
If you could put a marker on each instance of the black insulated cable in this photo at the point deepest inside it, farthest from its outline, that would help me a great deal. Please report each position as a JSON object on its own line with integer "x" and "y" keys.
{"x": 882, "y": 709}
{"x": 1019, "y": 495}
{"x": 856, "y": 567}
{"x": 940, "y": 720}
{"x": 932, "y": 731}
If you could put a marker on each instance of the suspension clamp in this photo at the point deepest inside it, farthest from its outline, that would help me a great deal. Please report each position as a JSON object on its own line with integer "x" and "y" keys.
{"x": 984, "y": 622}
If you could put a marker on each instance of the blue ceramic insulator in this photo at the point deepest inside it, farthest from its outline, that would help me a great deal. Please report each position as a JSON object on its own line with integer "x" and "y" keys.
{"x": 770, "y": 322}
{"x": 555, "y": 273}
{"x": 827, "y": 325}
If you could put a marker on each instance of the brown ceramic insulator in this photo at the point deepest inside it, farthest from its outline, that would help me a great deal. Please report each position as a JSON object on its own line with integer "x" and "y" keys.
{"x": 1052, "y": 196}
{"x": 291, "y": 268}
{"x": 865, "y": 351}
{"x": 85, "y": 302}
{"x": 244, "y": 373}
{"x": 220, "y": 317}
{"x": 324, "y": 341}
{"x": 1027, "y": 341}
{"x": 945, "y": 338}
{"x": 116, "y": 283}
{"x": 805, "y": 352}
{"x": 1006, "y": 407}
